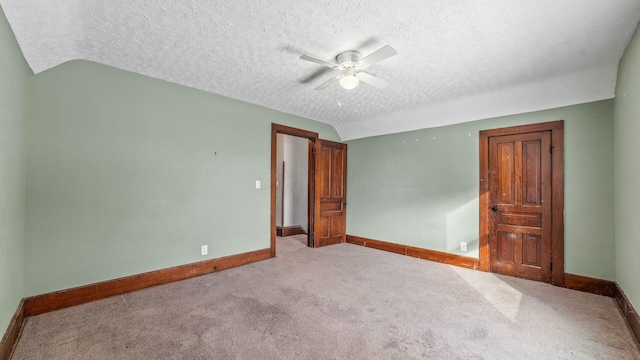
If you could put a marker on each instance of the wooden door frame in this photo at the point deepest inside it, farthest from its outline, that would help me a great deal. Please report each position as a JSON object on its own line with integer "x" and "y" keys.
{"x": 286, "y": 130}
{"x": 557, "y": 193}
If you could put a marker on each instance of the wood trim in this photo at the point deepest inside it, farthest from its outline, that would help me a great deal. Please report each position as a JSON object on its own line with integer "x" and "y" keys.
{"x": 311, "y": 192}
{"x": 274, "y": 191}
{"x": 286, "y": 130}
{"x": 313, "y": 234}
{"x": 282, "y": 184}
{"x": 484, "y": 256}
{"x": 557, "y": 193}
{"x": 420, "y": 253}
{"x": 520, "y": 129}
{"x": 590, "y": 285}
{"x": 557, "y": 204}
{"x": 11, "y": 336}
{"x": 40, "y": 304}
{"x": 630, "y": 314}
{"x": 290, "y": 230}
{"x": 344, "y": 187}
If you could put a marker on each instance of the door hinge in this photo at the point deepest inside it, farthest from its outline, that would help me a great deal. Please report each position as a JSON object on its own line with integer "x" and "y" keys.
{"x": 550, "y": 149}
{"x": 313, "y": 149}
{"x": 312, "y": 235}
{"x": 551, "y": 266}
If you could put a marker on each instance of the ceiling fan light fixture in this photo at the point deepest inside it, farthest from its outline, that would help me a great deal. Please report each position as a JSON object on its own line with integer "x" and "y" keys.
{"x": 353, "y": 68}
{"x": 349, "y": 82}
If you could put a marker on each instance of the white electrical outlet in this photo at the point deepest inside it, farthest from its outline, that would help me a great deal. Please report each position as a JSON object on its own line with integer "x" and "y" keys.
{"x": 463, "y": 246}
{"x": 204, "y": 250}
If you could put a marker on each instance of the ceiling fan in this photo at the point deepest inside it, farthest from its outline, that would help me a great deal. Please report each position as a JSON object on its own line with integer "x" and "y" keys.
{"x": 352, "y": 66}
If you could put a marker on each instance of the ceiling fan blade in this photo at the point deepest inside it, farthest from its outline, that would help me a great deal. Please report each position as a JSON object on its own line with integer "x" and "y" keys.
{"x": 315, "y": 75}
{"x": 372, "y": 80}
{"x": 377, "y": 56}
{"x": 334, "y": 80}
{"x": 318, "y": 61}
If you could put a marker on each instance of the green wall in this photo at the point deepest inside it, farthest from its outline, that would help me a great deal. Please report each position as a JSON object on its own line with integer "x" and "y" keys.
{"x": 627, "y": 171}
{"x": 128, "y": 174}
{"x": 14, "y": 74}
{"x": 420, "y": 188}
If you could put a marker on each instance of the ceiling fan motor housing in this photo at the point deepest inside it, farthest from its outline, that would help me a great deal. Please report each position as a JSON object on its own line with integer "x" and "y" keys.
{"x": 348, "y": 59}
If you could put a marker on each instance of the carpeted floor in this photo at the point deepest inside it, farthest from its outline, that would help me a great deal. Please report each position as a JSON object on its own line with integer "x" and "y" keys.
{"x": 337, "y": 302}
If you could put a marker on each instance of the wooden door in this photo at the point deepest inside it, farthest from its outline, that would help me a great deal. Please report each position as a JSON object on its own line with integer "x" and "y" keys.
{"x": 520, "y": 200}
{"x": 331, "y": 194}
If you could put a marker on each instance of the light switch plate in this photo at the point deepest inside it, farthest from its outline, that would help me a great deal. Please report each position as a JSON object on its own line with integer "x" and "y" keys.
{"x": 257, "y": 184}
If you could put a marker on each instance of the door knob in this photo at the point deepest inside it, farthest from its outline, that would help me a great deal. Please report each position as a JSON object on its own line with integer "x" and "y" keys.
{"x": 494, "y": 208}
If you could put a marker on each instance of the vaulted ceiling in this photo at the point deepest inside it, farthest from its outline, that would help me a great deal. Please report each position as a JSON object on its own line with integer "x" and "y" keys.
{"x": 458, "y": 60}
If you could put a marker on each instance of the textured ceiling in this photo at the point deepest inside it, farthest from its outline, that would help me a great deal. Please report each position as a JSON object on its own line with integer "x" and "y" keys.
{"x": 458, "y": 60}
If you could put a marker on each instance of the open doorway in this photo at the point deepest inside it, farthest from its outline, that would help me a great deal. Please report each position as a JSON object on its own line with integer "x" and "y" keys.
{"x": 326, "y": 188}
{"x": 292, "y": 183}
{"x": 292, "y": 190}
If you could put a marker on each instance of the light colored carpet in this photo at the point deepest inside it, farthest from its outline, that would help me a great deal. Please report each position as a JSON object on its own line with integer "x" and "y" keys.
{"x": 337, "y": 302}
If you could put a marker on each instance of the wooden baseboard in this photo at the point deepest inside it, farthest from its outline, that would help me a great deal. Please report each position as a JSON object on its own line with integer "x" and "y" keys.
{"x": 590, "y": 285}
{"x": 432, "y": 255}
{"x": 630, "y": 314}
{"x": 12, "y": 334}
{"x": 289, "y": 231}
{"x": 40, "y": 304}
